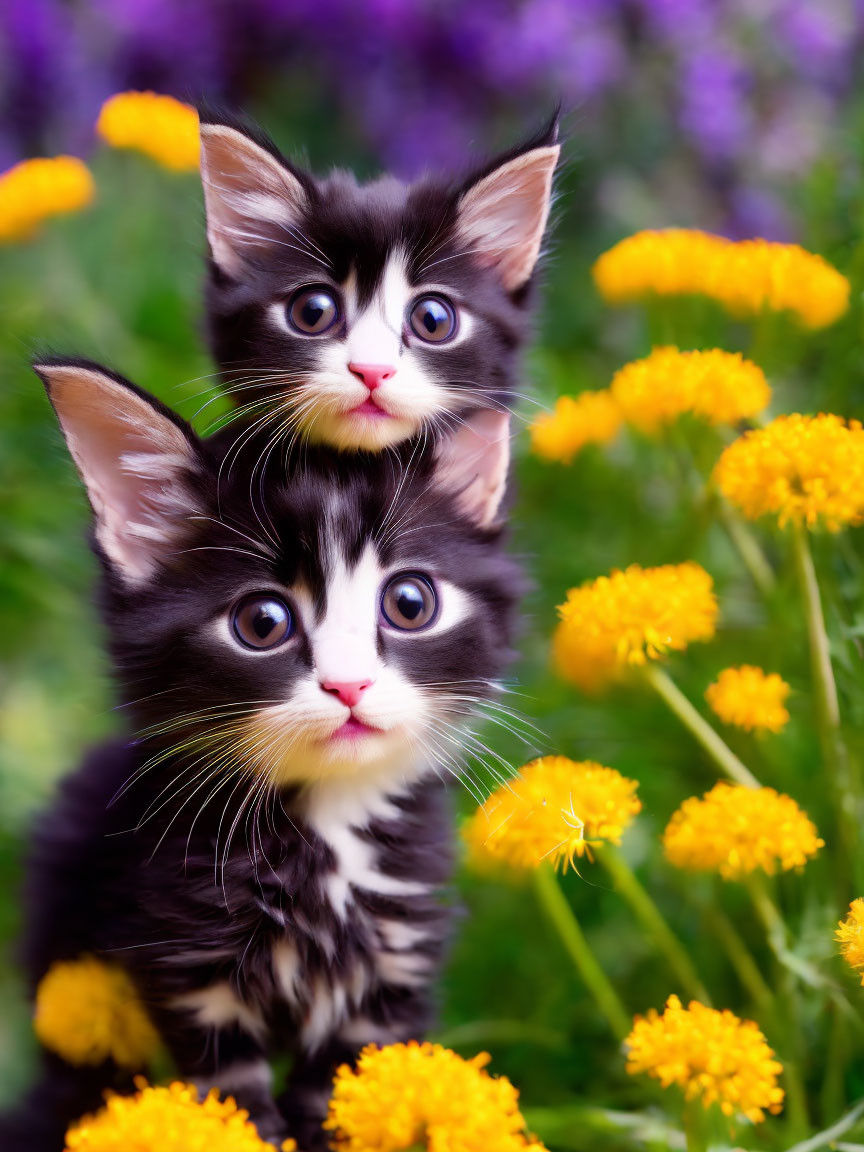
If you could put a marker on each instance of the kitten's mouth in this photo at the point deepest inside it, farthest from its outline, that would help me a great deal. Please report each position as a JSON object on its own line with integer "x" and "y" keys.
{"x": 369, "y": 408}
{"x": 354, "y": 729}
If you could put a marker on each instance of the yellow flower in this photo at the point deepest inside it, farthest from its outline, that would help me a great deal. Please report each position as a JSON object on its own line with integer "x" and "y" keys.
{"x": 553, "y": 810}
{"x": 736, "y": 830}
{"x": 850, "y": 936}
{"x": 631, "y": 617}
{"x": 749, "y": 698}
{"x": 88, "y": 1011}
{"x": 159, "y": 126}
{"x": 720, "y": 387}
{"x": 36, "y": 189}
{"x": 745, "y": 277}
{"x": 589, "y": 418}
{"x": 422, "y": 1095}
{"x": 171, "y": 1119}
{"x": 801, "y": 469}
{"x": 713, "y": 1056}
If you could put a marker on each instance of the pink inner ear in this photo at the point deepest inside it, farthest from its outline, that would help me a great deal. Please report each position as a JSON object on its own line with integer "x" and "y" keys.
{"x": 131, "y": 458}
{"x": 473, "y": 462}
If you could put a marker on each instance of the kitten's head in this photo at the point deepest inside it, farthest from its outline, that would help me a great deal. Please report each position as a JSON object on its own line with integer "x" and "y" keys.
{"x": 358, "y": 315}
{"x": 333, "y": 619}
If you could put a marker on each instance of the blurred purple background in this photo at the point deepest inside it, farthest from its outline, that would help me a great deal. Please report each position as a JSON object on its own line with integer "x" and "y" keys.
{"x": 736, "y": 97}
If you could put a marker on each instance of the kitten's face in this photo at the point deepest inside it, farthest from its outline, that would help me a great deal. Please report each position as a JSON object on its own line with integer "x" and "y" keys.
{"x": 358, "y": 316}
{"x": 340, "y": 625}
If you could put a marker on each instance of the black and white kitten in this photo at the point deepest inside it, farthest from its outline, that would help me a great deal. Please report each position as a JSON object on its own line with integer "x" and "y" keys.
{"x": 266, "y": 854}
{"x": 360, "y": 315}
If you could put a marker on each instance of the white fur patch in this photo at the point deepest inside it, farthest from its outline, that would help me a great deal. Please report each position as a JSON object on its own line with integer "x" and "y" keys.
{"x": 218, "y": 1007}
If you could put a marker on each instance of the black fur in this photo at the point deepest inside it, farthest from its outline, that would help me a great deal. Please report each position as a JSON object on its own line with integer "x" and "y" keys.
{"x": 139, "y": 863}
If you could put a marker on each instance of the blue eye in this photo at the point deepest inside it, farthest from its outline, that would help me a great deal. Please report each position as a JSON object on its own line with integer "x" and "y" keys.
{"x": 409, "y": 603}
{"x": 313, "y": 311}
{"x": 261, "y": 622}
{"x": 433, "y": 319}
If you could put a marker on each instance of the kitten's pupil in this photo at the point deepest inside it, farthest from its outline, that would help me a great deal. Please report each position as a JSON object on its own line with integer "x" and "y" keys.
{"x": 409, "y": 602}
{"x": 433, "y": 319}
{"x": 262, "y": 622}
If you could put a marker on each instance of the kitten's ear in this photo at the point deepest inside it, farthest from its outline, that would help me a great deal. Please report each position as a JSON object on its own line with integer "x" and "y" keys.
{"x": 503, "y": 211}
{"x": 136, "y": 459}
{"x": 251, "y": 194}
{"x": 473, "y": 462}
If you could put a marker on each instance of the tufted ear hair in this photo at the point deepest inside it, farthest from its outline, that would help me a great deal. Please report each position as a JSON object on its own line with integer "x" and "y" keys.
{"x": 503, "y": 210}
{"x": 252, "y": 195}
{"x": 136, "y": 459}
{"x": 473, "y": 461}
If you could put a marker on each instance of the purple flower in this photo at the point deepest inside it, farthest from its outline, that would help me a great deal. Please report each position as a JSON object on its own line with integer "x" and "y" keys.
{"x": 715, "y": 111}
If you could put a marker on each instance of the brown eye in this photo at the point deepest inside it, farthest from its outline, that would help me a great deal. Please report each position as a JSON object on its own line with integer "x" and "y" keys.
{"x": 313, "y": 311}
{"x": 433, "y": 319}
{"x": 409, "y": 603}
{"x": 262, "y": 622}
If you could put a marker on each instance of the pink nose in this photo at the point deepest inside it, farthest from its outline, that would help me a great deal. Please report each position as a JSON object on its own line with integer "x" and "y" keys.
{"x": 372, "y": 375}
{"x": 348, "y": 691}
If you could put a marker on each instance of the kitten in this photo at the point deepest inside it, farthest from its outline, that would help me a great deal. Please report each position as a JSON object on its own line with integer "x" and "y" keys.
{"x": 266, "y": 855}
{"x": 360, "y": 316}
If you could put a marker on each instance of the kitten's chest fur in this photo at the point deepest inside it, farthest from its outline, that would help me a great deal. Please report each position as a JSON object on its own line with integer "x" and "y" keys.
{"x": 320, "y": 902}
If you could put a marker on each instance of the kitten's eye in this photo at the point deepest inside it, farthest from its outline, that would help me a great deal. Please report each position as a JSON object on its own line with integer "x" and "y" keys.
{"x": 409, "y": 603}
{"x": 313, "y": 311}
{"x": 433, "y": 319}
{"x": 262, "y": 621}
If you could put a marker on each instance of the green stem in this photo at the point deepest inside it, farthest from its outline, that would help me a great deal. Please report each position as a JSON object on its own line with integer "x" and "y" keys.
{"x": 694, "y": 1127}
{"x": 646, "y": 910}
{"x": 561, "y": 915}
{"x": 834, "y": 753}
{"x": 698, "y": 727}
{"x": 833, "y": 1095}
{"x": 742, "y": 960}
{"x": 761, "y": 572}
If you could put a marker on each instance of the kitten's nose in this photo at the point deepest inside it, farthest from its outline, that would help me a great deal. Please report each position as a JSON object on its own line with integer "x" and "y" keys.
{"x": 372, "y": 375}
{"x": 348, "y": 691}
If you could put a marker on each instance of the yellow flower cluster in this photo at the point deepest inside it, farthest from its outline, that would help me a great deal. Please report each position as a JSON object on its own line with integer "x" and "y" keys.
{"x": 850, "y": 936}
{"x": 744, "y": 277}
{"x": 736, "y": 830}
{"x": 422, "y": 1095}
{"x": 554, "y": 810}
{"x": 720, "y": 387}
{"x": 33, "y": 190}
{"x": 713, "y": 1056}
{"x": 589, "y": 418}
{"x": 631, "y": 617}
{"x": 88, "y": 1011}
{"x": 159, "y": 126}
{"x": 801, "y": 469}
{"x": 169, "y": 1119}
{"x": 749, "y": 698}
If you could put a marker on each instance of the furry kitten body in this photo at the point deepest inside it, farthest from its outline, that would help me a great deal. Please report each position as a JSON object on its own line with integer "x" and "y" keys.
{"x": 296, "y": 648}
{"x": 362, "y": 315}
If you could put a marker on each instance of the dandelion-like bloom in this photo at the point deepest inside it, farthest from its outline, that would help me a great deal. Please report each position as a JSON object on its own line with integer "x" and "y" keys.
{"x": 749, "y": 698}
{"x": 88, "y": 1011}
{"x": 589, "y": 418}
{"x": 630, "y": 617}
{"x": 850, "y": 937}
{"x": 33, "y": 190}
{"x": 171, "y": 1119}
{"x": 736, "y": 830}
{"x": 554, "y": 810}
{"x": 745, "y": 277}
{"x": 801, "y": 469}
{"x": 422, "y": 1095}
{"x": 720, "y": 387}
{"x": 159, "y": 126}
{"x": 713, "y": 1056}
